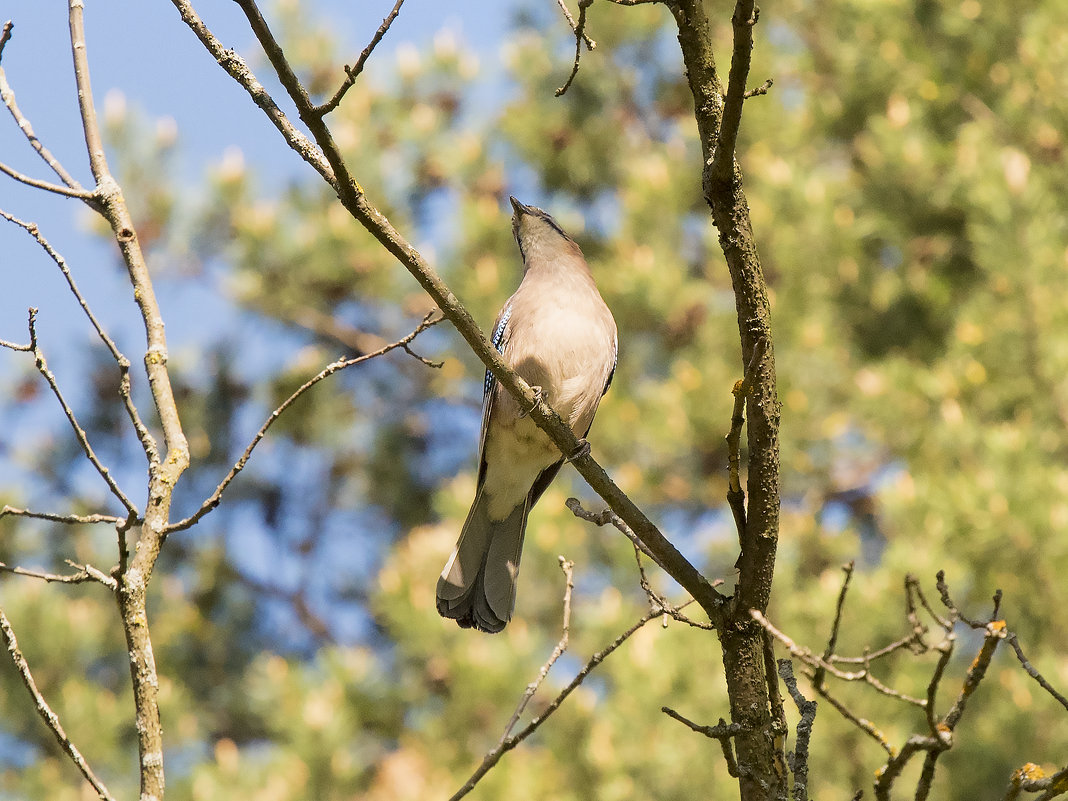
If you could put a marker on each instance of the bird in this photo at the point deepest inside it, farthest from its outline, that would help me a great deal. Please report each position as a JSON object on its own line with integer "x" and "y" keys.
{"x": 558, "y": 334}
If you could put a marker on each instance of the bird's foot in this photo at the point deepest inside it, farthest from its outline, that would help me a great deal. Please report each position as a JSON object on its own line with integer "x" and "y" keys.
{"x": 583, "y": 449}
{"x": 537, "y": 400}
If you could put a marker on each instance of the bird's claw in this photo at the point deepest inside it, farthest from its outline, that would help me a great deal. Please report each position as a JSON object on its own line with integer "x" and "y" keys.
{"x": 583, "y": 449}
{"x": 537, "y": 400}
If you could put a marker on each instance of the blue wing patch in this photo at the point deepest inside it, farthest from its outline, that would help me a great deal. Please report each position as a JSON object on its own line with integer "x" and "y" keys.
{"x": 498, "y": 342}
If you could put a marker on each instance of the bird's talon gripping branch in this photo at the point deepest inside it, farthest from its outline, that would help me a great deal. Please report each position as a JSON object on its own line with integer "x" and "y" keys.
{"x": 537, "y": 399}
{"x": 583, "y": 449}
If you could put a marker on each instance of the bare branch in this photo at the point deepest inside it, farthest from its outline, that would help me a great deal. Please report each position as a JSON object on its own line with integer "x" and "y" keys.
{"x": 760, "y": 90}
{"x": 580, "y": 34}
{"x": 353, "y": 72}
{"x": 821, "y": 666}
{"x": 745, "y": 17}
{"x": 236, "y": 68}
{"x": 799, "y": 757}
{"x": 61, "y": 518}
{"x": 49, "y": 717}
{"x": 493, "y": 756}
{"x": 1032, "y": 672}
{"x": 661, "y": 605}
{"x": 214, "y": 499}
{"x": 946, "y": 653}
{"x": 590, "y": 44}
{"x": 828, "y": 652}
{"x": 7, "y": 94}
{"x": 79, "y": 194}
{"x": 995, "y": 633}
{"x": 722, "y": 731}
{"x": 1031, "y": 778}
{"x": 79, "y": 432}
{"x": 84, "y": 573}
{"x": 33, "y": 337}
{"x": 569, "y": 578}
{"x": 136, "y": 571}
{"x": 143, "y": 434}
{"x": 862, "y": 723}
{"x": 947, "y": 602}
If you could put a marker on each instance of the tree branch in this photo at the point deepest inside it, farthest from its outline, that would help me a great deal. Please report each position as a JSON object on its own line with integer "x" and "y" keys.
{"x": 744, "y": 18}
{"x": 7, "y": 94}
{"x": 84, "y": 573}
{"x": 493, "y": 756}
{"x": 79, "y": 432}
{"x": 353, "y": 72}
{"x": 807, "y": 709}
{"x": 215, "y": 498}
{"x": 722, "y": 731}
{"x": 135, "y": 573}
{"x": 580, "y": 35}
{"x": 59, "y": 518}
{"x": 51, "y": 720}
{"x": 125, "y": 388}
{"x": 569, "y": 585}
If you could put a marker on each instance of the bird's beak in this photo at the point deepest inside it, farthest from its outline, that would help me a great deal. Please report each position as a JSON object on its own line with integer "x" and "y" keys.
{"x": 518, "y": 207}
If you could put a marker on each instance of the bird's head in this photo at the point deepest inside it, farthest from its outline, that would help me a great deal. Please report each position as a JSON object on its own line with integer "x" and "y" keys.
{"x": 536, "y": 232}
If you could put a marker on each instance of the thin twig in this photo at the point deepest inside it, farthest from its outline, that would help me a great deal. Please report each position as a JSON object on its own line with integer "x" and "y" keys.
{"x": 84, "y": 573}
{"x": 214, "y": 499}
{"x": 493, "y": 756}
{"x": 820, "y": 666}
{"x": 832, "y": 641}
{"x": 608, "y": 517}
{"x": 79, "y": 432}
{"x": 946, "y": 653}
{"x": 760, "y": 90}
{"x": 79, "y": 194}
{"x": 590, "y": 44}
{"x": 236, "y": 68}
{"x": 49, "y": 717}
{"x": 1032, "y": 672}
{"x": 807, "y": 709}
{"x": 23, "y": 348}
{"x": 722, "y": 732}
{"x": 353, "y": 72}
{"x": 569, "y": 585}
{"x": 7, "y": 94}
{"x": 60, "y": 518}
{"x": 580, "y": 33}
{"x": 148, "y": 442}
{"x": 947, "y": 602}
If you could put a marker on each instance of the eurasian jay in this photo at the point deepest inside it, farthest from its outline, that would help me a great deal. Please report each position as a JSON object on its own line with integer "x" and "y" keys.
{"x": 559, "y": 335}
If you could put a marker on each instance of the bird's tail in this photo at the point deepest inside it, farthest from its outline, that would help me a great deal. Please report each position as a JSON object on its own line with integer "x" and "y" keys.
{"x": 477, "y": 586}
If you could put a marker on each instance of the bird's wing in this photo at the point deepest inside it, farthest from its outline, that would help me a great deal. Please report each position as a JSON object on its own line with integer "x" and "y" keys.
{"x": 490, "y": 388}
{"x": 615, "y": 361}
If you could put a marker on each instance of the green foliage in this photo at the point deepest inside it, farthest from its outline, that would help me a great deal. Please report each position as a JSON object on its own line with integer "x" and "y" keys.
{"x": 905, "y": 179}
